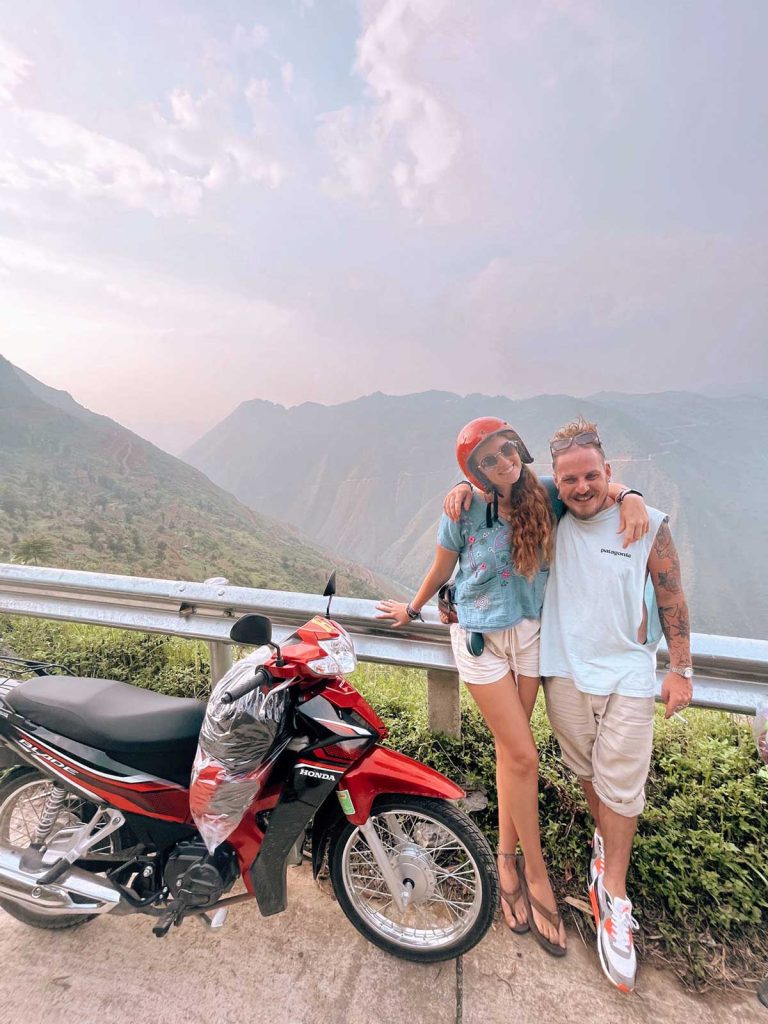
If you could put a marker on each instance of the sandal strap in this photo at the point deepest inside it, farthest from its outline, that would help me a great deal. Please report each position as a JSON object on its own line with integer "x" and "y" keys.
{"x": 553, "y": 916}
{"x": 511, "y": 897}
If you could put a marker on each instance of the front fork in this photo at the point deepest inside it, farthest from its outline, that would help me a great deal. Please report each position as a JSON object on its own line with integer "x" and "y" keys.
{"x": 399, "y": 891}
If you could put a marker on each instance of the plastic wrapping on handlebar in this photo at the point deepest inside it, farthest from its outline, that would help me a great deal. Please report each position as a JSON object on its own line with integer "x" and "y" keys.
{"x": 244, "y": 686}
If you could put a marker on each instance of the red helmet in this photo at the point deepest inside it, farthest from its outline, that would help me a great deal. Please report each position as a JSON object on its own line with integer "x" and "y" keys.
{"x": 472, "y": 435}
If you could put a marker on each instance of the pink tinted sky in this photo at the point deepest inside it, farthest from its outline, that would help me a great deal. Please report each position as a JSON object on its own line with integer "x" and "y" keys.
{"x": 297, "y": 202}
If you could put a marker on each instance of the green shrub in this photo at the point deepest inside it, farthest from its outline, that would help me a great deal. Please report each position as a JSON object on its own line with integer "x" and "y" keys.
{"x": 168, "y": 664}
{"x": 699, "y": 863}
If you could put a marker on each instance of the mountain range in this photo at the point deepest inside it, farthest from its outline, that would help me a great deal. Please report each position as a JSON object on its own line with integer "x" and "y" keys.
{"x": 367, "y": 477}
{"x": 77, "y": 490}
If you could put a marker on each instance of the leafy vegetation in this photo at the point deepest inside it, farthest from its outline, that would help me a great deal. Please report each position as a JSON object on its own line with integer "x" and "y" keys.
{"x": 700, "y": 859}
{"x": 81, "y": 492}
{"x": 698, "y": 870}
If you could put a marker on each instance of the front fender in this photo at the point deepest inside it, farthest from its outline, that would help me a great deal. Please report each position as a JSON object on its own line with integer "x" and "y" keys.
{"x": 386, "y": 771}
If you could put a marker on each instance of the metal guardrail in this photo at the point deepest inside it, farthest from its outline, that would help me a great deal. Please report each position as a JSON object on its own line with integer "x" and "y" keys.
{"x": 731, "y": 674}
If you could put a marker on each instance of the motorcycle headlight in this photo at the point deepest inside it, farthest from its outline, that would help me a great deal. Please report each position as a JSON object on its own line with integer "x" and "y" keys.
{"x": 339, "y": 660}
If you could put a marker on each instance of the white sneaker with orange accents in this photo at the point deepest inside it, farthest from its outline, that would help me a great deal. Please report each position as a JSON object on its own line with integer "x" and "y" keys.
{"x": 615, "y": 943}
{"x": 597, "y": 858}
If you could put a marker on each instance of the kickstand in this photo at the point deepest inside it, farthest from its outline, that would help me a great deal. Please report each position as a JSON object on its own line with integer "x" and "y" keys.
{"x": 174, "y": 917}
{"x": 212, "y": 922}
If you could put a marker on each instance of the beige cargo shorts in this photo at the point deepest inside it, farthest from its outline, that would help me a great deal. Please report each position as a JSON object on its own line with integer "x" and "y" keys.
{"x": 606, "y": 740}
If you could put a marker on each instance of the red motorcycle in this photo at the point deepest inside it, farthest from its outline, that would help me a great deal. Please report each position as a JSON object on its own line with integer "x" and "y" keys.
{"x": 95, "y": 811}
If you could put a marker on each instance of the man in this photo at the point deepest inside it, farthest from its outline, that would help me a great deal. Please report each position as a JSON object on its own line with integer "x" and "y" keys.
{"x": 598, "y": 657}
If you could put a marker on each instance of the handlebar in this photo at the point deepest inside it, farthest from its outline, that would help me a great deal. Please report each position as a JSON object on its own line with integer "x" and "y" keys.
{"x": 240, "y": 689}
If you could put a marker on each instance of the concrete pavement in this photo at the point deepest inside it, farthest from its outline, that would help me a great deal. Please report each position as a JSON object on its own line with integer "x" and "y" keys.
{"x": 310, "y": 966}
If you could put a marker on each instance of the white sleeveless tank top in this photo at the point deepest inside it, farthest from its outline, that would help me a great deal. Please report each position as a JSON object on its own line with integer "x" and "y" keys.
{"x": 593, "y": 607}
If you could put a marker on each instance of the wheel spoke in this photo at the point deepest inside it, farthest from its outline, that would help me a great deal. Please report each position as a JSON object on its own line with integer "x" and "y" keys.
{"x": 446, "y": 888}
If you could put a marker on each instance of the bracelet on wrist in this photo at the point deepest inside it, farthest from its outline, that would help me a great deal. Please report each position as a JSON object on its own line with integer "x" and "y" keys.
{"x": 412, "y": 614}
{"x": 625, "y": 492}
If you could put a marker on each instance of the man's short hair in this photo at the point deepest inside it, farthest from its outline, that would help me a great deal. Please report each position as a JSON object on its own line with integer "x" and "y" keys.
{"x": 577, "y": 426}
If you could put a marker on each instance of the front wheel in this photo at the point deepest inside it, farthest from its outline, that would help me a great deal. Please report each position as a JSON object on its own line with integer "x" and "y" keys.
{"x": 446, "y": 869}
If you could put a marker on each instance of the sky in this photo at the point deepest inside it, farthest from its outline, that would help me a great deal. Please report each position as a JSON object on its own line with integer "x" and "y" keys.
{"x": 311, "y": 200}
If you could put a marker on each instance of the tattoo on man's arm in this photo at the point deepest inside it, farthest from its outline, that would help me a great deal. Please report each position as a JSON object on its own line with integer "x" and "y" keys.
{"x": 663, "y": 546}
{"x": 669, "y": 578}
{"x": 673, "y": 608}
{"x": 675, "y": 621}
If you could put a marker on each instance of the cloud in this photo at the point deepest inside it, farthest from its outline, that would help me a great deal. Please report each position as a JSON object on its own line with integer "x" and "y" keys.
{"x": 177, "y": 157}
{"x": 199, "y": 133}
{"x": 162, "y": 302}
{"x": 457, "y": 99}
{"x": 249, "y": 40}
{"x": 86, "y": 165}
{"x": 287, "y": 75}
{"x": 144, "y": 338}
{"x": 645, "y": 312}
{"x": 14, "y": 69}
{"x": 404, "y": 136}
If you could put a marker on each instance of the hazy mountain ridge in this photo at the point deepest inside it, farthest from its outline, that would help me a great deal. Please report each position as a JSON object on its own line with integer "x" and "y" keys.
{"x": 367, "y": 477}
{"x": 78, "y": 490}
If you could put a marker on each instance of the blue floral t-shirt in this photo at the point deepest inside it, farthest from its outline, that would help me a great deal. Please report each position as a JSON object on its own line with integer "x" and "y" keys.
{"x": 490, "y": 594}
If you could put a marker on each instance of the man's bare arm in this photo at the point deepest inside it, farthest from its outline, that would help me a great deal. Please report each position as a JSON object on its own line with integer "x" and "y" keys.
{"x": 664, "y": 567}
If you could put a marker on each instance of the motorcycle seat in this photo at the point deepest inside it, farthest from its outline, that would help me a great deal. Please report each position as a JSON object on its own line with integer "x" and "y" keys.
{"x": 138, "y": 728}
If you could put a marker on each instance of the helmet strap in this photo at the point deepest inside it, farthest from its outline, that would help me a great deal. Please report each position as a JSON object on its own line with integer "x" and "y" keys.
{"x": 492, "y": 511}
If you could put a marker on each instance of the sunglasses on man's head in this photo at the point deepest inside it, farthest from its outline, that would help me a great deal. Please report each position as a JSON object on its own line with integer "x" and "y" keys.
{"x": 562, "y": 444}
{"x": 490, "y": 461}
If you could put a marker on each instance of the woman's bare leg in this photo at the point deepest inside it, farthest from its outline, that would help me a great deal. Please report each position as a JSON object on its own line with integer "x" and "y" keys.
{"x": 517, "y": 766}
{"x": 527, "y": 689}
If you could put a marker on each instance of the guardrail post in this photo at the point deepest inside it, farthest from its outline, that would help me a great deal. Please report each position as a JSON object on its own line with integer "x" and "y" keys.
{"x": 221, "y": 659}
{"x": 221, "y": 653}
{"x": 443, "y": 707}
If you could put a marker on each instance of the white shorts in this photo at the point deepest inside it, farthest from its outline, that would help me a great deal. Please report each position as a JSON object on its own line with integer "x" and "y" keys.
{"x": 514, "y": 650}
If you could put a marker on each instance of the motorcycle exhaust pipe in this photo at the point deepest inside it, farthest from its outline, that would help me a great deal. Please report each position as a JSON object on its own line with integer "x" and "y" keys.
{"x": 74, "y": 892}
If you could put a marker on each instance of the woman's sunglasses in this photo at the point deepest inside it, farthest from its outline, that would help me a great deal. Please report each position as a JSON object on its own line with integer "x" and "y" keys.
{"x": 562, "y": 444}
{"x": 490, "y": 461}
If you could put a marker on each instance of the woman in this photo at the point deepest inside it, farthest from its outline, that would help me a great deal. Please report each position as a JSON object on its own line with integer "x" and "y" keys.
{"x": 503, "y": 548}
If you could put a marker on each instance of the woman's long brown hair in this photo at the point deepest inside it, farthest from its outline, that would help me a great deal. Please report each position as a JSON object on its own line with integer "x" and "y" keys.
{"x": 533, "y": 527}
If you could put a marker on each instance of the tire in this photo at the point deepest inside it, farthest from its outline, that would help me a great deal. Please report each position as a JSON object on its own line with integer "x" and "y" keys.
{"x": 446, "y": 859}
{"x": 22, "y": 794}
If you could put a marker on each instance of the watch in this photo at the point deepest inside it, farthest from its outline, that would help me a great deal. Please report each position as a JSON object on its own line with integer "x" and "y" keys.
{"x": 686, "y": 673}
{"x": 412, "y": 613}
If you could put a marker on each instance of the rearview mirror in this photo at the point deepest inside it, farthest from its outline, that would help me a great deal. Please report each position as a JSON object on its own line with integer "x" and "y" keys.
{"x": 330, "y": 586}
{"x": 253, "y": 630}
{"x": 330, "y": 590}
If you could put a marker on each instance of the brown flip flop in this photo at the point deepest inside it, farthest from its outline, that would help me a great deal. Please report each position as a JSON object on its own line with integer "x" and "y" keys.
{"x": 511, "y": 898}
{"x": 531, "y": 903}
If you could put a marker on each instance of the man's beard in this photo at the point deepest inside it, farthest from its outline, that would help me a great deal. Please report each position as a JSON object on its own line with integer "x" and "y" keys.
{"x": 577, "y": 507}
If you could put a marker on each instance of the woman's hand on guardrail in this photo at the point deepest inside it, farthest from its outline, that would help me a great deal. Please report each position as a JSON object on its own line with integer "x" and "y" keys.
{"x": 395, "y": 611}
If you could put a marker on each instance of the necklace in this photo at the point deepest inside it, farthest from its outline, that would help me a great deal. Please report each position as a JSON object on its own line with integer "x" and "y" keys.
{"x": 505, "y": 515}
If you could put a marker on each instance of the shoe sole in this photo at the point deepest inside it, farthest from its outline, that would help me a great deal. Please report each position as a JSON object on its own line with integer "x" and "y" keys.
{"x": 596, "y": 911}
